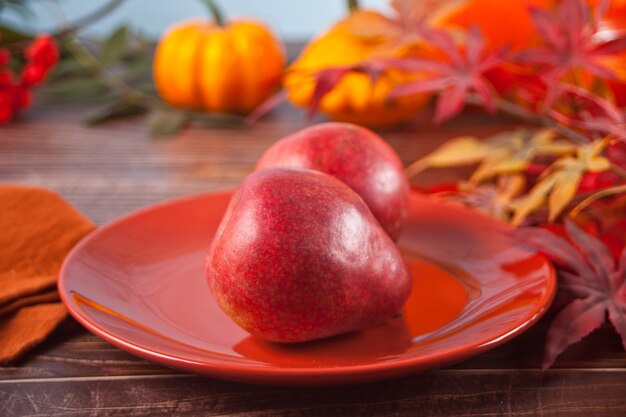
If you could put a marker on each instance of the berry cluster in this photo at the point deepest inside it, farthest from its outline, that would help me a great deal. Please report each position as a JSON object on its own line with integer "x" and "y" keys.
{"x": 40, "y": 56}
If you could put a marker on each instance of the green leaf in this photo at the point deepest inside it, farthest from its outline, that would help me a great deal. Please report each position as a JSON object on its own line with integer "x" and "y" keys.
{"x": 219, "y": 119}
{"x": 74, "y": 89}
{"x": 113, "y": 48}
{"x": 146, "y": 87}
{"x": 165, "y": 122}
{"x": 111, "y": 111}
{"x": 68, "y": 67}
{"x": 12, "y": 35}
{"x": 138, "y": 68}
{"x": 19, "y": 6}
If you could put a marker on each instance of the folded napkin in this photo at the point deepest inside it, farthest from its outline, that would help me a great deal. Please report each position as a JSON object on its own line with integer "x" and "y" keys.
{"x": 37, "y": 229}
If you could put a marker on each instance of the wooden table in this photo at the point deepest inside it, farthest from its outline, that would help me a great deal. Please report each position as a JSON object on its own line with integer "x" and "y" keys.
{"x": 109, "y": 170}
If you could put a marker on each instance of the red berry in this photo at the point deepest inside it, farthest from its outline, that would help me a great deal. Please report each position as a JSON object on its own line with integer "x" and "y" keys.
{"x": 6, "y": 96}
{"x": 5, "y": 56}
{"x": 7, "y": 106}
{"x": 6, "y": 79}
{"x": 43, "y": 50}
{"x": 32, "y": 74}
{"x": 23, "y": 97}
{"x": 6, "y": 115}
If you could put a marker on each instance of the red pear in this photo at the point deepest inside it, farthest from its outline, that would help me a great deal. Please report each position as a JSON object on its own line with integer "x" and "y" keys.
{"x": 299, "y": 256}
{"x": 358, "y": 157}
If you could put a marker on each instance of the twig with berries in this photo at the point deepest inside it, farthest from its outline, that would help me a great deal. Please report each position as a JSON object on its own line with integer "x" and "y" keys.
{"x": 15, "y": 86}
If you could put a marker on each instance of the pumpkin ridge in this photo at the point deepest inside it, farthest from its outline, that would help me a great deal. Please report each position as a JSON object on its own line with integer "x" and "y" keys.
{"x": 200, "y": 99}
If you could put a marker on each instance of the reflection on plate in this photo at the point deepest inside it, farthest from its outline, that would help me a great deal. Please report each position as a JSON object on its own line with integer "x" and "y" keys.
{"x": 139, "y": 283}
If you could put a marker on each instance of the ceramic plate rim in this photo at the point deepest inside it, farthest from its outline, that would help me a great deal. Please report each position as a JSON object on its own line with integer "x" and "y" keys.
{"x": 224, "y": 369}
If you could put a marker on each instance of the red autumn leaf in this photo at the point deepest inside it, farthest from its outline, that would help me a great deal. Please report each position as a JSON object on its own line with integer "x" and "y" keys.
{"x": 592, "y": 113}
{"x": 460, "y": 74}
{"x": 592, "y": 281}
{"x": 518, "y": 83}
{"x": 595, "y": 181}
{"x": 325, "y": 81}
{"x": 443, "y": 188}
{"x": 571, "y": 40}
{"x": 266, "y": 106}
{"x": 411, "y": 12}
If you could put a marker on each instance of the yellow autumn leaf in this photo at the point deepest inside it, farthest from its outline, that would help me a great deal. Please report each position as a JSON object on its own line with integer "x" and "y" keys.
{"x": 502, "y": 154}
{"x": 491, "y": 199}
{"x": 535, "y": 199}
{"x": 544, "y": 143}
{"x": 599, "y": 164}
{"x": 558, "y": 187}
{"x": 589, "y": 156}
{"x": 517, "y": 150}
{"x": 498, "y": 163}
{"x": 463, "y": 150}
{"x": 563, "y": 191}
{"x": 510, "y": 186}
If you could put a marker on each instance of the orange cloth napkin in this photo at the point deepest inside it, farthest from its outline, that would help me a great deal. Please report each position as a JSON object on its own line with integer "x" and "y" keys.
{"x": 37, "y": 229}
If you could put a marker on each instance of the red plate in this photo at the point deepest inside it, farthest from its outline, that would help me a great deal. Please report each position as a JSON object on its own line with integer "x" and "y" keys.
{"x": 138, "y": 283}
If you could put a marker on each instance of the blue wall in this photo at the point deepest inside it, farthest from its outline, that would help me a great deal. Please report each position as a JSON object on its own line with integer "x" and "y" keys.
{"x": 291, "y": 19}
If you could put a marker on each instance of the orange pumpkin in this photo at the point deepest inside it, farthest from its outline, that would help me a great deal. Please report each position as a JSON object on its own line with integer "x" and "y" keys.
{"x": 502, "y": 22}
{"x": 229, "y": 68}
{"x": 355, "y": 98}
{"x": 509, "y": 22}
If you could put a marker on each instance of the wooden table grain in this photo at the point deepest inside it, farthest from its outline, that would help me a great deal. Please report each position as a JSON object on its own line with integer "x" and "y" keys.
{"x": 109, "y": 170}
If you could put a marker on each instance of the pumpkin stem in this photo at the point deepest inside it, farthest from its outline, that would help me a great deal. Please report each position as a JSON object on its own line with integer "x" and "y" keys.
{"x": 217, "y": 14}
{"x": 352, "y": 5}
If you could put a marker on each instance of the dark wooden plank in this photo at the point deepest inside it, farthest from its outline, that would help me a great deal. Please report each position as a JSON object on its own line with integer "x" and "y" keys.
{"x": 438, "y": 393}
{"x": 73, "y": 352}
{"x": 109, "y": 170}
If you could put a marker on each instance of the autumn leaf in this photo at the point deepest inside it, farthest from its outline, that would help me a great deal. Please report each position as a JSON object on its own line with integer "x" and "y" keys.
{"x": 592, "y": 283}
{"x": 266, "y": 106}
{"x": 560, "y": 182}
{"x": 494, "y": 200}
{"x": 166, "y": 121}
{"x": 519, "y": 84}
{"x": 464, "y": 150}
{"x": 372, "y": 26}
{"x": 415, "y": 12}
{"x": 581, "y": 109}
{"x": 504, "y": 153}
{"x": 571, "y": 40}
{"x": 519, "y": 150}
{"x": 325, "y": 80}
{"x": 460, "y": 74}
{"x": 607, "y": 192}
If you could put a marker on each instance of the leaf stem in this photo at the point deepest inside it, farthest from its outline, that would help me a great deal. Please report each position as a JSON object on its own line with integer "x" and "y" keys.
{"x": 352, "y": 5}
{"x": 595, "y": 197}
{"x": 93, "y": 65}
{"x": 522, "y": 113}
{"x": 618, "y": 170}
{"x": 90, "y": 18}
{"x": 69, "y": 29}
{"x": 217, "y": 14}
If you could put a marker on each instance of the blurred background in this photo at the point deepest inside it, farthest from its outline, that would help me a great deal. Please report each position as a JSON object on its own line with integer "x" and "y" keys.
{"x": 293, "y": 20}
